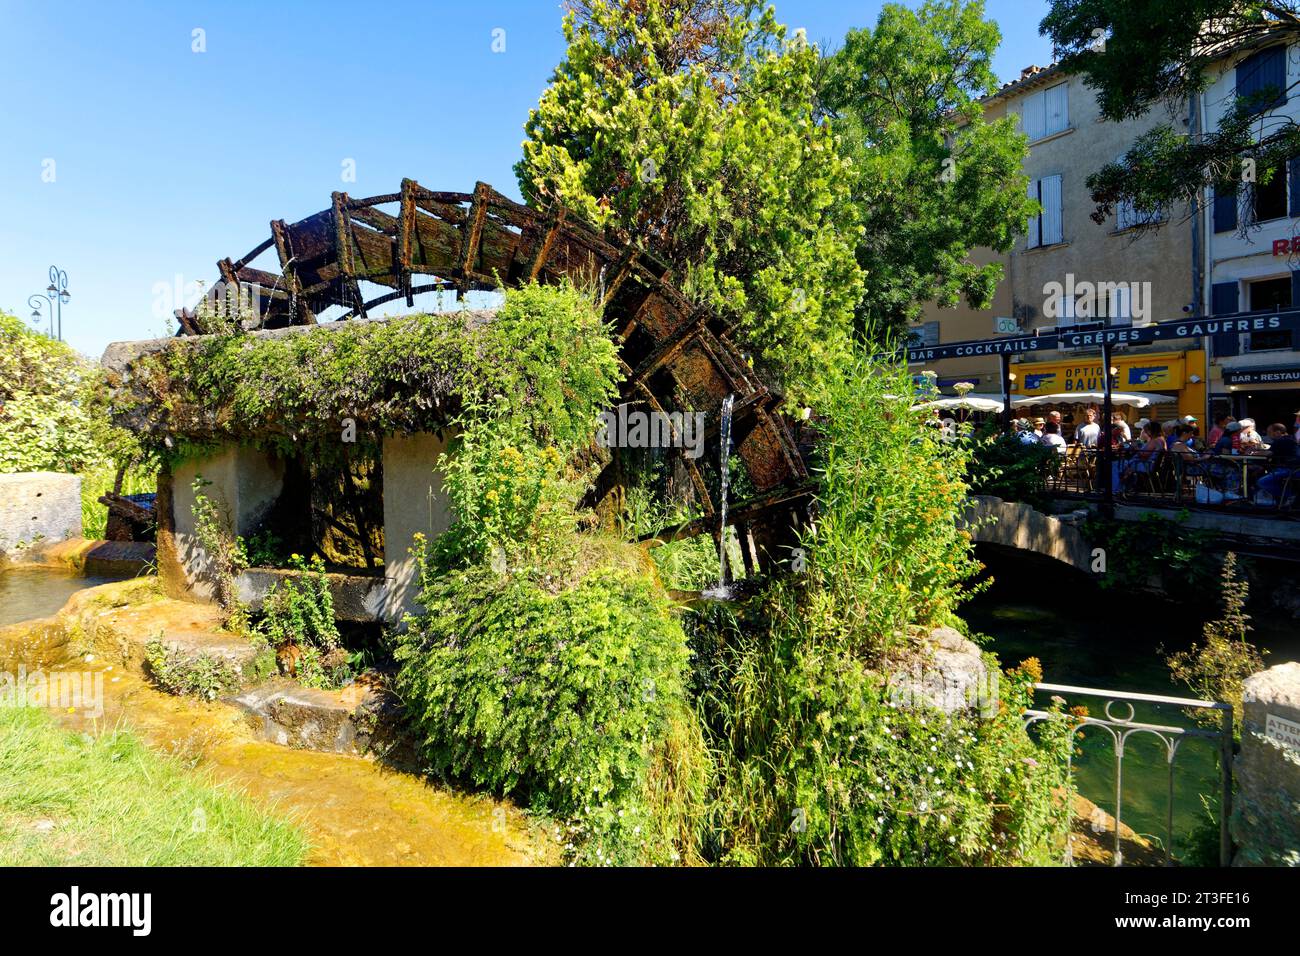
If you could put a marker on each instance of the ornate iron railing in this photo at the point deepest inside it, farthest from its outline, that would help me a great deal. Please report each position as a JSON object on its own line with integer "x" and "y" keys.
{"x": 1121, "y": 726}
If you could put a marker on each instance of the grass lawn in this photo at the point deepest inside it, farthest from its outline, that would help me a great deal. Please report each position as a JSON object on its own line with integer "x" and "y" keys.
{"x": 71, "y": 799}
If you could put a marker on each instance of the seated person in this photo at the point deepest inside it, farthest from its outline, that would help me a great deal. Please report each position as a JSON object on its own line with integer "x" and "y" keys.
{"x": 1284, "y": 456}
{"x": 1144, "y": 460}
{"x": 1052, "y": 437}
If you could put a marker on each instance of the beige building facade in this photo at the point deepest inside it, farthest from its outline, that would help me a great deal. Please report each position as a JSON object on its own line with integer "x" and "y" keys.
{"x": 1067, "y": 270}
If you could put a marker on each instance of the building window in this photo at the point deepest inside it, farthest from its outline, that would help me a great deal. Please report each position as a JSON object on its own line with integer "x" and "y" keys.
{"x": 1270, "y": 197}
{"x": 1127, "y": 216}
{"x": 1045, "y": 112}
{"x": 1119, "y": 305}
{"x": 1045, "y": 227}
{"x": 1262, "y": 77}
{"x": 925, "y": 336}
{"x": 1269, "y": 295}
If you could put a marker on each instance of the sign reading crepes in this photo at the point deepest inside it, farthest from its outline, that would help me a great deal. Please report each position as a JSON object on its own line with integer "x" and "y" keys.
{"x": 1065, "y": 338}
{"x": 1282, "y": 731}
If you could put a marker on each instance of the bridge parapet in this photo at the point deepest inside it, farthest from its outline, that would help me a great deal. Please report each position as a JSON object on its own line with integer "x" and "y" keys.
{"x": 1013, "y": 524}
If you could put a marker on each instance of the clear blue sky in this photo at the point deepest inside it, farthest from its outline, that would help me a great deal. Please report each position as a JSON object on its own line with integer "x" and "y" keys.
{"x": 166, "y": 160}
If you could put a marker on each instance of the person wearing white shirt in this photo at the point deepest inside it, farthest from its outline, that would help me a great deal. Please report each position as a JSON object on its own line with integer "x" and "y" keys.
{"x": 1088, "y": 433}
{"x": 1052, "y": 437}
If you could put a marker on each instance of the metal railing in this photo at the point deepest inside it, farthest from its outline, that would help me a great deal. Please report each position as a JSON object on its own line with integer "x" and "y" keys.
{"x": 1121, "y": 727}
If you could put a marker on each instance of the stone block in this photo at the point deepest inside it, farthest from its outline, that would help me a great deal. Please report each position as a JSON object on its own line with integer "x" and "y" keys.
{"x": 1266, "y": 808}
{"x": 38, "y": 506}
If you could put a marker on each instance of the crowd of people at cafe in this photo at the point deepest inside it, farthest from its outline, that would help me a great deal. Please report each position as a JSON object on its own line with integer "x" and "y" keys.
{"x": 1211, "y": 456}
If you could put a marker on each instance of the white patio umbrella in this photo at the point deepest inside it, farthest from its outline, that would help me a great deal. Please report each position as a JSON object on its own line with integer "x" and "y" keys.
{"x": 974, "y": 403}
{"x": 1136, "y": 399}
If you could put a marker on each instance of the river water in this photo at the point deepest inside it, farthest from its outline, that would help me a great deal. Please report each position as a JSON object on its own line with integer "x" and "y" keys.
{"x": 30, "y": 593}
{"x": 1087, "y": 636}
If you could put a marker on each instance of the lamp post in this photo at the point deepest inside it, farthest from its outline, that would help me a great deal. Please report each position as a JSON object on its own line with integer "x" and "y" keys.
{"x": 57, "y": 293}
{"x": 37, "y": 302}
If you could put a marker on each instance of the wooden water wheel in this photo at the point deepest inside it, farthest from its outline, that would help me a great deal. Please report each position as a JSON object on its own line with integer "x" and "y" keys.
{"x": 675, "y": 356}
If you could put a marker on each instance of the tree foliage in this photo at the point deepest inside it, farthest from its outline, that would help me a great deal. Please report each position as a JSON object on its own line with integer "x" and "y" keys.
{"x": 690, "y": 125}
{"x": 1149, "y": 56}
{"x": 53, "y": 406}
{"x": 934, "y": 179}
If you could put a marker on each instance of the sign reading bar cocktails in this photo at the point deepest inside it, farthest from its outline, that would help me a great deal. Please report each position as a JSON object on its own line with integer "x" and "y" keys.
{"x": 1048, "y": 340}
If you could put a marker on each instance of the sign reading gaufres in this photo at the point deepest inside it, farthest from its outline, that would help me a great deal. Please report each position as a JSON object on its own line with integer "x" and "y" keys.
{"x": 1112, "y": 335}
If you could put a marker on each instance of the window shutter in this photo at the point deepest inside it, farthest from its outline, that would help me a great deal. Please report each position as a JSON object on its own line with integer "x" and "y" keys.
{"x": 1295, "y": 303}
{"x": 1120, "y": 305}
{"x": 1051, "y": 193}
{"x": 1056, "y": 109}
{"x": 1032, "y": 235}
{"x": 1033, "y": 116}
{"x": 1293, "y": 184}
{"x": 1224, "y": 299}
{"x": 1225, "y": 207}
{"x": 1264, "y": 70}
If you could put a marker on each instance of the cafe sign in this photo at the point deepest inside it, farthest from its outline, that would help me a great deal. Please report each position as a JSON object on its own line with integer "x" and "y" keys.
{"x": 1261, "y": 376}
{"x": 1138, "y": 373}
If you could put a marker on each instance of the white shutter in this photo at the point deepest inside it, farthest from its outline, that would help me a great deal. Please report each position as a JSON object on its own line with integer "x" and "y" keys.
{"x": 1035, "y": 219}
{"x": 1066, "y": 309}
{"x": 1056, "y": 109}
{"x": 1120, "y": 306}
{"x": 1051, "y": 200}
{"x": 1125, "y": 215}
{"x": 1033, "y": 118}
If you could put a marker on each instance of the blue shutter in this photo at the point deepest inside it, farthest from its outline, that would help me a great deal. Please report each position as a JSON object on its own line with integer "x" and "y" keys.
{"x": 1224, "y": 298}
{"x": 1295, "y": 304}
{"x": 1225, "y": 207}
{"x": 1265, "y": 70}
{"x": 1293, "y": 184}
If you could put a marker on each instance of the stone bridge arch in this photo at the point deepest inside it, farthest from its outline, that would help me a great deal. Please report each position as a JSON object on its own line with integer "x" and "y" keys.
{"x": 1013, "y": 524}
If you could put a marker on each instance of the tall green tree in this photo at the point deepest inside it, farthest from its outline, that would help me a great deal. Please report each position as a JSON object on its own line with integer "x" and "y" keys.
{"x": 1155, "y": 55}
{"x": 934, "y": 178}
{"x": 691, "y": 126}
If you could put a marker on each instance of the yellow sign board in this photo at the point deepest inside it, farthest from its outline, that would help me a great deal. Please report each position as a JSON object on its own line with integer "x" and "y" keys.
{"x": 1137, "y": 373}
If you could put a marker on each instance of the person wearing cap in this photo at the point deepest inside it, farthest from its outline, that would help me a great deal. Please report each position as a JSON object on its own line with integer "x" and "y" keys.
{"x": 1025, "y": 433}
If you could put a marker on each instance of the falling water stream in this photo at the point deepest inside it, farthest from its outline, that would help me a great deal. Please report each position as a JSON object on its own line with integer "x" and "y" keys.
{"x": 724, "y": 481}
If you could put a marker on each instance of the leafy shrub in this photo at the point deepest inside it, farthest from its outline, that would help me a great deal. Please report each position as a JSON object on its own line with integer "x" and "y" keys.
{"x": 512, "y": 498}
{"x": 818, "y": 766}
{"x": 1002, "y": 466}
{"x": 885, "y": 551}
{"x": 575, "y": 700}
{"x": 1154, "y": 546}
{"x": 1217, "y": 667}
{"x": 53, "y": 407}
{"x": 204, "y": 676}
{"x": 298, "y": 612}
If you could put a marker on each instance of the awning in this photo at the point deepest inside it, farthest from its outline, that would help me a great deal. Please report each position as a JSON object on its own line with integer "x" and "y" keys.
{"x": 974, "y": 403}
{"x": 1136, "y": 399}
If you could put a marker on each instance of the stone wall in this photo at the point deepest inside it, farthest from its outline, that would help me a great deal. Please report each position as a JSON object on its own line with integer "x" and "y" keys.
{"x": 1266, "y": 808}
{"x": 414, "y": 503}
{"x": 245, "y": 485}
{"x": 38, "y": 506}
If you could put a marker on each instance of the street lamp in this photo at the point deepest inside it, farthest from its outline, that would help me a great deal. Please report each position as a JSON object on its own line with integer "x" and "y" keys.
{"x": 37, "y": 302}
{"x": 57, "y": 294}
